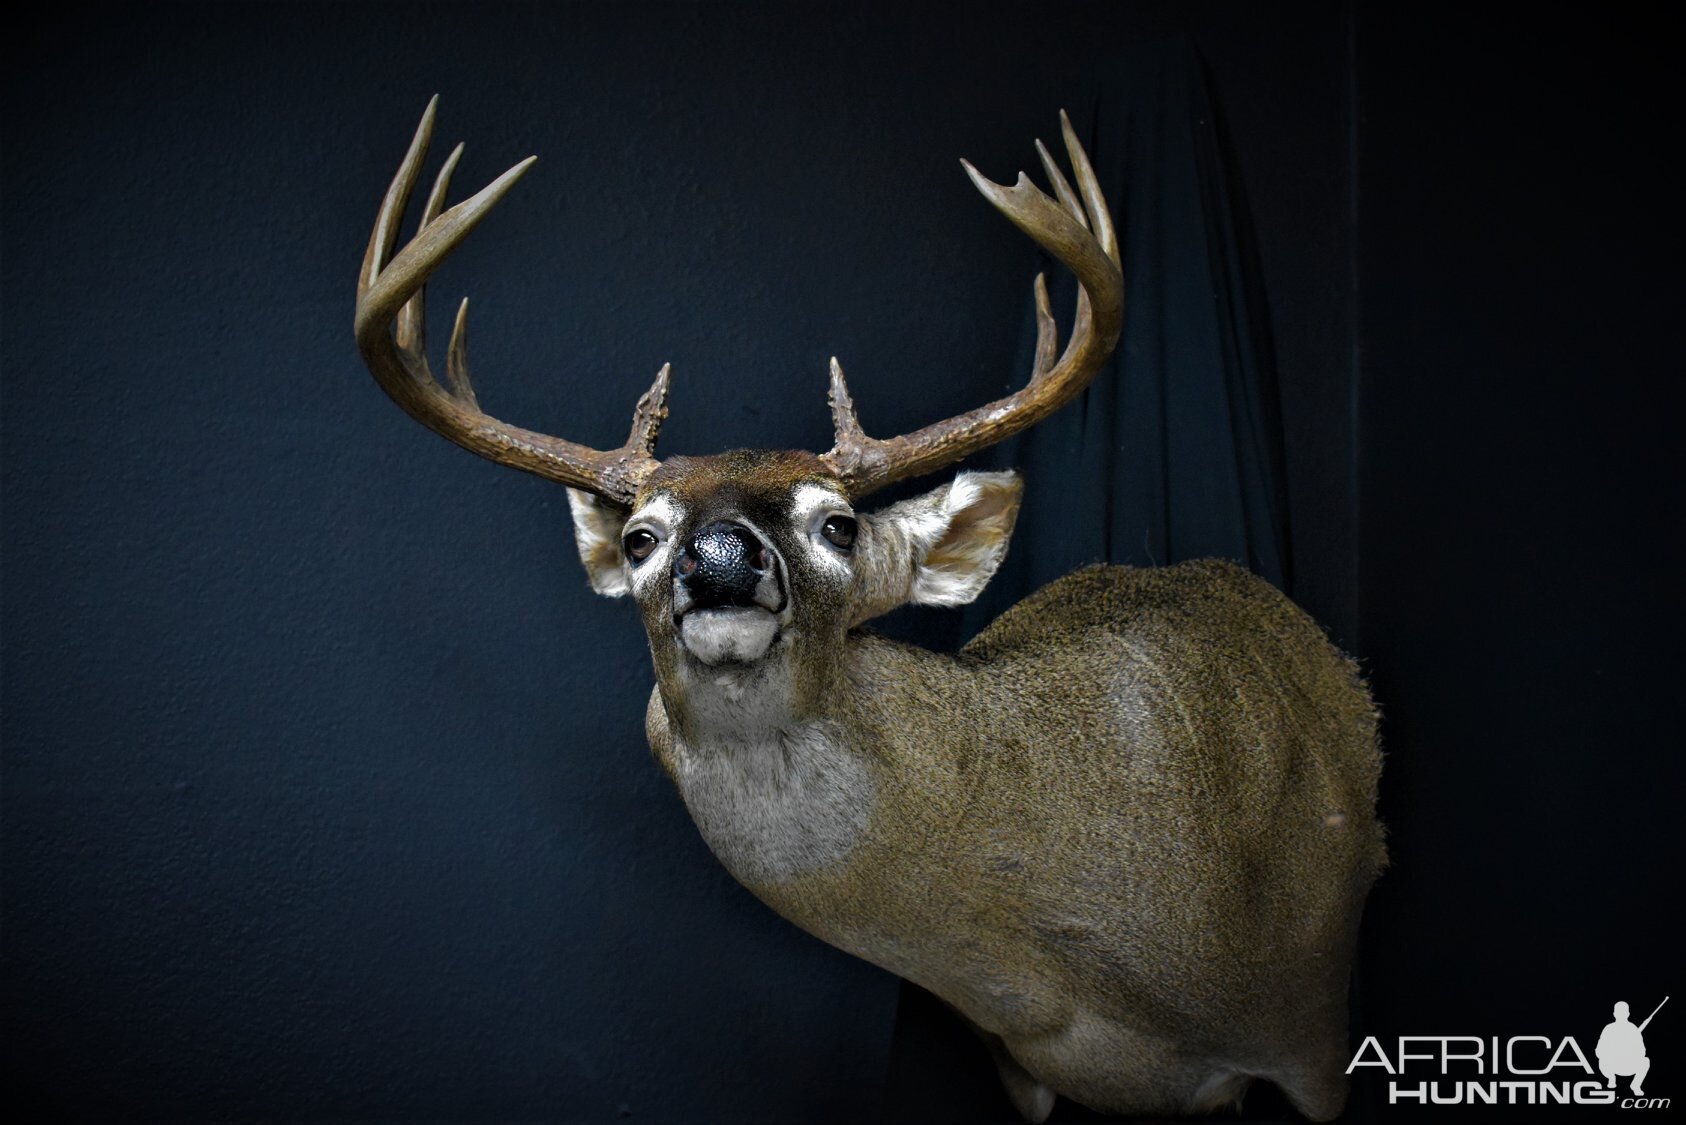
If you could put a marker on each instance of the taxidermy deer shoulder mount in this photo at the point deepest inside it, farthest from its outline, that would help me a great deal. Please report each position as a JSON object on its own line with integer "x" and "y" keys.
{"x": 1126, "y": 834}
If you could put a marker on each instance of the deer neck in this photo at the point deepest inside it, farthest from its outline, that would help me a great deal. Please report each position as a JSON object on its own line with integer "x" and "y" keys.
{"x": 768, "y": 764}
{"x": 729, "y": 710}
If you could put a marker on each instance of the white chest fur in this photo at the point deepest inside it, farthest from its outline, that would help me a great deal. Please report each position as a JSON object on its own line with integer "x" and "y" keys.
{"x": 780, "y": 805}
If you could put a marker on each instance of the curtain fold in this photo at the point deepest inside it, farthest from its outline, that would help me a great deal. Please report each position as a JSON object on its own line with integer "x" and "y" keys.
{"x": 1175, "y": 450}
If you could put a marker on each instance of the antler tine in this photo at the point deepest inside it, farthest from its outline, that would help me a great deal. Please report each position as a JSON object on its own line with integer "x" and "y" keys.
{"x": 650, "y": 413}
{"x": 843, "y": 417}
{"x": 456, "y": 360}
{"x": 385, "y": 235}
{"x": 1061, "y": 187}
{"x": 411, "y": 332}
{"x": 1047, "y": 334}
{"x": 1101, "y": 218}
{"x": 1082, "y": 238}
{"x": 393, "y": 288}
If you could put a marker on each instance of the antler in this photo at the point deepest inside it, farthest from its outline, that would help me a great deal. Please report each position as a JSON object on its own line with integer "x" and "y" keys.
{"x": 1081, "y": 236}
{"x": 395, "y": 287}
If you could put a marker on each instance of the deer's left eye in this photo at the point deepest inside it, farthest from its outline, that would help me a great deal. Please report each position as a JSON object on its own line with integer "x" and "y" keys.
{"x": 638, "y": 545}
{"x": 839, "y": 531}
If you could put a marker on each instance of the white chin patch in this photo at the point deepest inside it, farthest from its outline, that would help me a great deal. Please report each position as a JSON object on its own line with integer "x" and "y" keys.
{"x": 731, "y": 635}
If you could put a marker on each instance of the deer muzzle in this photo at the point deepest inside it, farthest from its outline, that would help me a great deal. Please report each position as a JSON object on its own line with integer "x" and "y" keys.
{"x": 727, "y": 594}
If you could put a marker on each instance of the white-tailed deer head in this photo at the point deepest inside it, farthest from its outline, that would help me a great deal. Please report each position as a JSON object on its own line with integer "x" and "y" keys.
{"x": 1126, "y": 834}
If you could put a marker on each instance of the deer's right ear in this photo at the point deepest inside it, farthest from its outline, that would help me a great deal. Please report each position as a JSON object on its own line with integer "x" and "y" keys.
{"x": 597, "y": 533}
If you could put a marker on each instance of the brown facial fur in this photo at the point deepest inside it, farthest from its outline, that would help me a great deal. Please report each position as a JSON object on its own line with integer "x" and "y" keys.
{"x": 754, "y": 486}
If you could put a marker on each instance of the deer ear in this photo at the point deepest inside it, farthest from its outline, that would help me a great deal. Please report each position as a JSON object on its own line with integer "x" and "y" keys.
{"x": 977, "y": 512}
{"x": 597, "y": 533}
{"x": 941, "y": 548}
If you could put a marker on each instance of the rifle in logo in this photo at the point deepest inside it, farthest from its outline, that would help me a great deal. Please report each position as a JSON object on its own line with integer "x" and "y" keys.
{"x": 1621, "y": 1047}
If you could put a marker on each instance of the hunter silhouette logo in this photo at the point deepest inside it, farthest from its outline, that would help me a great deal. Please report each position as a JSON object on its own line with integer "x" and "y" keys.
{"x": 1621, "y": 1049}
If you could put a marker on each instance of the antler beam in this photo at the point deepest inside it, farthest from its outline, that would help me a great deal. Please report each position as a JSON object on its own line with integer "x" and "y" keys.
{"x": 393, "y": 289}
{"x": 1081, "y": 236}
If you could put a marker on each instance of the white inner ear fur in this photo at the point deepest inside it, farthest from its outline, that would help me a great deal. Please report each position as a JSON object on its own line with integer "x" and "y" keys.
{"x": 597, "y": 533}
{"x": 941, "y": 548}
{"x": 981, "y": 509}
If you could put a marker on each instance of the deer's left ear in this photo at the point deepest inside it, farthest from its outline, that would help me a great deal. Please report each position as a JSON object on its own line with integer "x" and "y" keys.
{"x": 976, "y": 514}
{"x": 597, "y": 533}
{"x": 941, "y": 548}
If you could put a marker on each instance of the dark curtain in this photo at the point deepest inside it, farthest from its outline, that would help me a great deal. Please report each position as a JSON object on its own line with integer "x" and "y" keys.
{"x": 1174, "y": 452}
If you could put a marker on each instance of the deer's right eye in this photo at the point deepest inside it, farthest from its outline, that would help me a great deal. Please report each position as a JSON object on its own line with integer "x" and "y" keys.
{"x": 638, "y": 545}
{"x": 839, "y": 531}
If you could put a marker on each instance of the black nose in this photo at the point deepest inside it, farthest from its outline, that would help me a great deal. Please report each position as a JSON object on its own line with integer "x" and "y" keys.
{"x": 722, "y": 565}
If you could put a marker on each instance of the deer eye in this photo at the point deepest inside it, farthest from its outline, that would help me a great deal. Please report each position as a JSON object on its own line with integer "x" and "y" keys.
{"x": 839, "y": 531}
{"x": 638, "y": 545}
